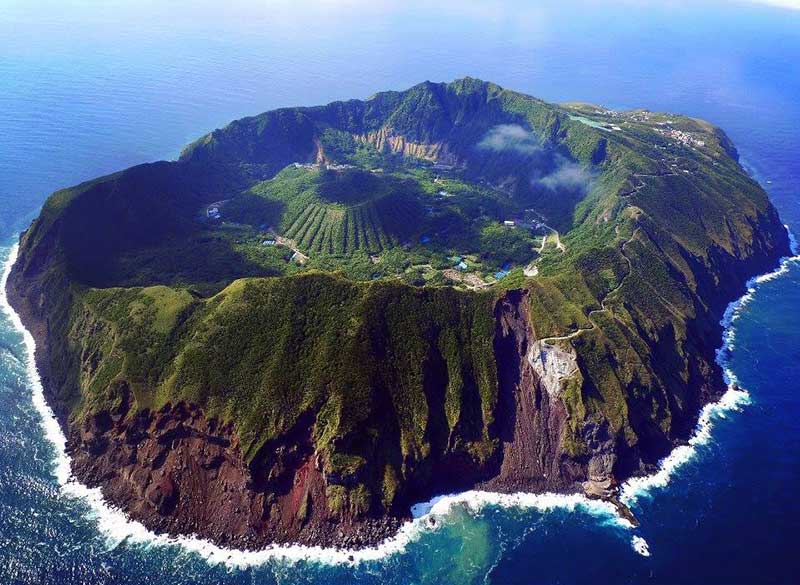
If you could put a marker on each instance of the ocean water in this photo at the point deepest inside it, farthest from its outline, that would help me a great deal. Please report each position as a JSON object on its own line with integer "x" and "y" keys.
{"x": 88, "y": 87}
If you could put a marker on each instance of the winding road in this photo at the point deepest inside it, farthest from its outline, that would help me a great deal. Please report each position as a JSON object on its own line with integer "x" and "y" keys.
{"x": 603, "y": 308}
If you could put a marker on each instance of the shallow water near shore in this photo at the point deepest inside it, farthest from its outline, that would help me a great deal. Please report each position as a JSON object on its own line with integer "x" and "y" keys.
{"x": 85, "y": 90}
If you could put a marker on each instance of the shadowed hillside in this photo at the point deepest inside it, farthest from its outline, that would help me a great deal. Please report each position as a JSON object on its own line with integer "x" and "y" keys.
{"x": 335, "y": 312}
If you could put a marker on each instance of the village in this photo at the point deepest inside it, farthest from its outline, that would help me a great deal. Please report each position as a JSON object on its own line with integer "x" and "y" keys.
{"x": 429, "y": 258}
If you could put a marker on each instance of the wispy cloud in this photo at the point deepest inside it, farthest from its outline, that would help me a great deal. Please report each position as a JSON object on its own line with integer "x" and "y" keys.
{"x": 510, "y": 137}
{"x": 567, "y": 175}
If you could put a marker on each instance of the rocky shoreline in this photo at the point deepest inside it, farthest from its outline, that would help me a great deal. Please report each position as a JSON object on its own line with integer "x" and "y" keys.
{"x": 181, "y": 474}
{"x": 209, "y": 392}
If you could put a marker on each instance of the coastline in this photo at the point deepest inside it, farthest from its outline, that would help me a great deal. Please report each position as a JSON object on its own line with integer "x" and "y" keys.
{"x": 117, "y": 526}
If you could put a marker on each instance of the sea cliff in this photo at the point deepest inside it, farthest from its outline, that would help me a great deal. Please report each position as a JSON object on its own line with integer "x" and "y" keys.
{"x": 212, "y": 395}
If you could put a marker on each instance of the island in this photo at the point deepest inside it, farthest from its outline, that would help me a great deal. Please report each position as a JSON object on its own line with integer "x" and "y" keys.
{"x": 319, "y": 316}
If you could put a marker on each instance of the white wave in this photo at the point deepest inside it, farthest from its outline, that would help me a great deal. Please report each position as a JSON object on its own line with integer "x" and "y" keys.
{"x": 640, "y": 546}
{"x": 50, "y": 425}
{"x": 733, "y": 399}
{"x": 118, "y": 528}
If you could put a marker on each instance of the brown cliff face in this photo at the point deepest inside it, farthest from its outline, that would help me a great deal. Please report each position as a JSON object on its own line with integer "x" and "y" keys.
{"x": 531, "y": 419}
{"x": 181, "y": 473}
{"x": 178, "y": 472}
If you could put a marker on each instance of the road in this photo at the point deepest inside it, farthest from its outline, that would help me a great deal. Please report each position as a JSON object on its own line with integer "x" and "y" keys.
{"x": 603, "y": 308}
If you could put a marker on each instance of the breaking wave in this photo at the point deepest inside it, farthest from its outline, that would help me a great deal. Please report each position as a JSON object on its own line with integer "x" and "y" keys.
{"x": 639, "y": 544}
{"x": 117, "y": 527}
{"x": 733, "y": 399}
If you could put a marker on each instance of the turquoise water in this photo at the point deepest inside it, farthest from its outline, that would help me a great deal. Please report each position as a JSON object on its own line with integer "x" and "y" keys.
{"x": 88, "y": 88}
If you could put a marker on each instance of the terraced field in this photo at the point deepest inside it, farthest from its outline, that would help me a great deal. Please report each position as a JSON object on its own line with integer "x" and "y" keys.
{"x": 340, "y": 214}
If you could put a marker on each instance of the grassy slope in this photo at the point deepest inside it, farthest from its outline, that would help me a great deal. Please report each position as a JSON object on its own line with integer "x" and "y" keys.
{"x": 403, "y": 378}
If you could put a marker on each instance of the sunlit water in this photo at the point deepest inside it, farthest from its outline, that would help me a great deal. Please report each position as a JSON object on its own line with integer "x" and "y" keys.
{"x": 88, "y": 88}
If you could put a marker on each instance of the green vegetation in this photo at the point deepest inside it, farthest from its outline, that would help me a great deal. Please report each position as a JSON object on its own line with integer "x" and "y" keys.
{"x": 316, "y": 264}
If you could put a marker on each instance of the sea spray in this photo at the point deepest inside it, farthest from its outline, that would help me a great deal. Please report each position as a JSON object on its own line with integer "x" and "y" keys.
{"x": 732, "y": 400}
{"x": 113, "y": 523}
{"x": 640, "y": 546}
{"x": 117, "y": 527}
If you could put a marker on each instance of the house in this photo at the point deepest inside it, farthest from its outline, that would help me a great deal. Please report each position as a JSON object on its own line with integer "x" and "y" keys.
{"x": 501, "y": 274}
{"x": 509, "y": 223}
{"x": 298, "y": 257}
{"x": 461, "y": 265}
{"x": 268, "y": 243}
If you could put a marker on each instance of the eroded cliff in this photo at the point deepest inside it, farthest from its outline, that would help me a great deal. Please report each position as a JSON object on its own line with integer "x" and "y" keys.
{"x": 204, "y": 394}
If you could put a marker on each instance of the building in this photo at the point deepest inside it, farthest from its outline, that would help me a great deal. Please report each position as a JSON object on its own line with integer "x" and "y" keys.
{"x": 509, "y": 223}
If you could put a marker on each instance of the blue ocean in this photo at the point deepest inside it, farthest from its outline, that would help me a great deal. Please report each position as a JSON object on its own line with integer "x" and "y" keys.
{"x": 90, "y": 87}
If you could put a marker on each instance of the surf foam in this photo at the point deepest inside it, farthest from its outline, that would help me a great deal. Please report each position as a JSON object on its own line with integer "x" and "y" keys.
{"x": 118, "y": 528}
{"x": 640, "y": 546}
{"x": 733, "y": 399}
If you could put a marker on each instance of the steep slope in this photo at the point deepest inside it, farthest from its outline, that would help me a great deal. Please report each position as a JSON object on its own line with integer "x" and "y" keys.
{"x": 254, "y": 399}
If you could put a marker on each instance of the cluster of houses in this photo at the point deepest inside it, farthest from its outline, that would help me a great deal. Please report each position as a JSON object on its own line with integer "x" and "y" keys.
{"x": 214, "y": 210}
{"x": 684, "y": 138}
{"x": 326, "y": 166}
{"x": 338, "y": 167}
{"x": 459, "y": 263}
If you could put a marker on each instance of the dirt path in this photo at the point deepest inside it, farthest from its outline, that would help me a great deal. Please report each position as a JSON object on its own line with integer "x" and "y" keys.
{"x": 292, "y": 245}
{"x": 603, "y": 308}
{"x": 642, "y": 184}
{"x": 470, "y": 280}
{"x": 559, "y": 245}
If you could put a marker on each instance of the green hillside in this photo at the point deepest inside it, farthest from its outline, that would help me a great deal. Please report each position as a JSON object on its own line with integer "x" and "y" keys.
{"x": 359, "y": 285}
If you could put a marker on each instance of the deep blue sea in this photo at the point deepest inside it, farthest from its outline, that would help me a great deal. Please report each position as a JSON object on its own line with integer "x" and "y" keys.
{"x": 89, "y": 87}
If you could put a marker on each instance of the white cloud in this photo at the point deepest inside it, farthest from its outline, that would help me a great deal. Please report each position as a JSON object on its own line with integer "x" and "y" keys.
{"x": 568, "y": 175}
{"x": 510, "y": 137}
